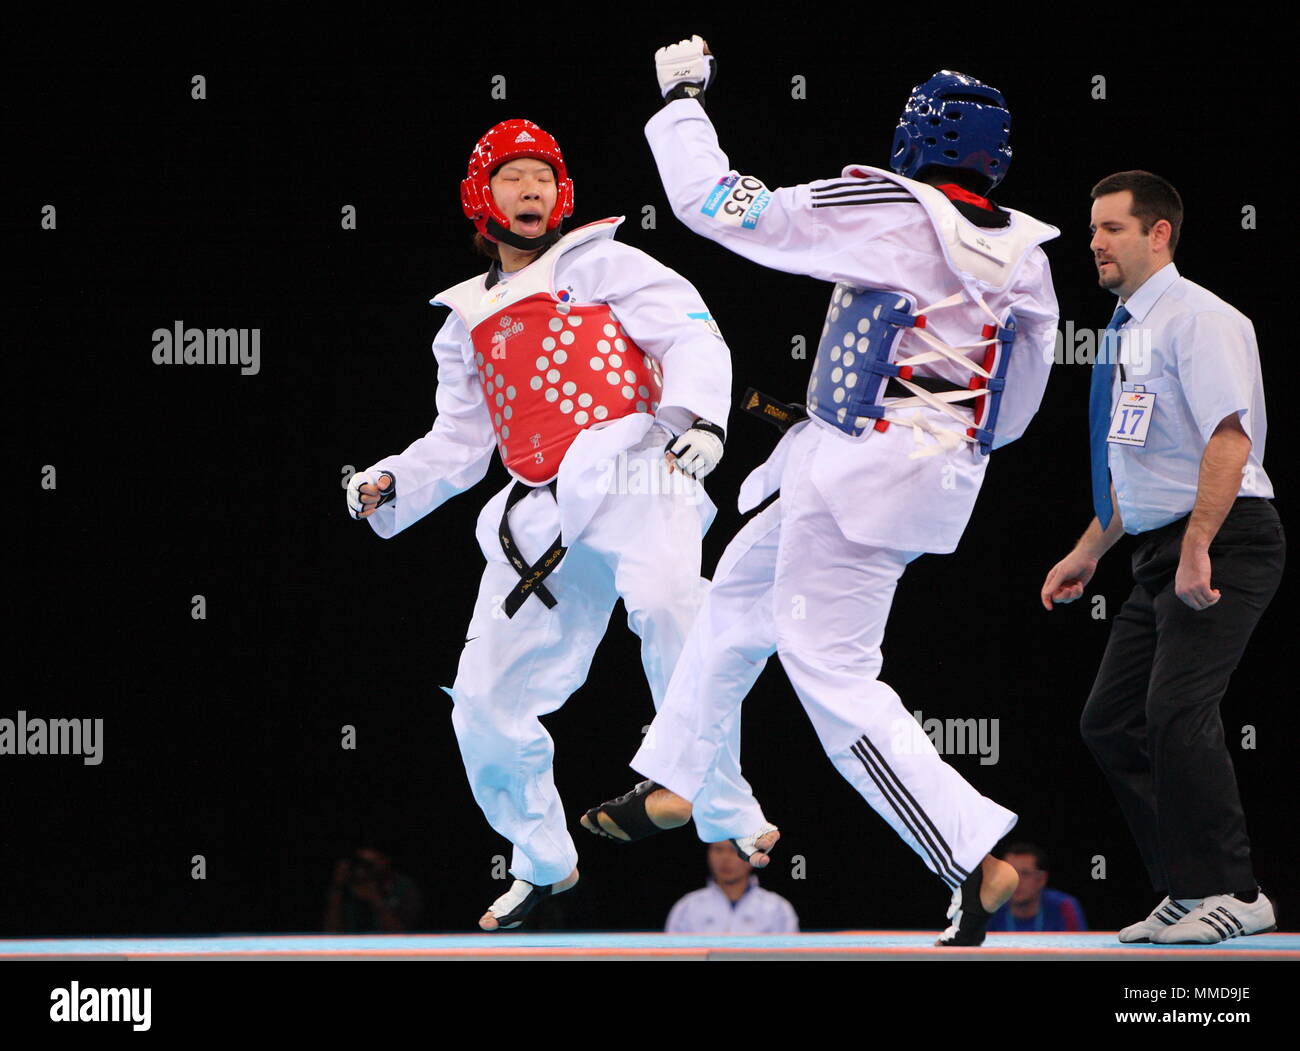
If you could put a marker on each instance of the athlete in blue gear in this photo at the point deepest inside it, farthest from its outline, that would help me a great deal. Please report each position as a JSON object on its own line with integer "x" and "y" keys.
{"x": 936, "y": 350}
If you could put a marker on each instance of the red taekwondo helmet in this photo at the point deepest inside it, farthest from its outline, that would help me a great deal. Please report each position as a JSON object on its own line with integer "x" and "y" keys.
{"x": 508, "y": 141}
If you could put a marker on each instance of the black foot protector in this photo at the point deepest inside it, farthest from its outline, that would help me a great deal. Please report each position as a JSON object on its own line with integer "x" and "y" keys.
{"x": 968, "y": 916}
{"x": 516, "y": 903}
{"x": 627, "y": 812}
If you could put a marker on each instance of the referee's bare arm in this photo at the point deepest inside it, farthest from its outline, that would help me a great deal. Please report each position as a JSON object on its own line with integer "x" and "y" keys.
{"x": 1216, "y": 488}
{"x": 1067, "y": 579}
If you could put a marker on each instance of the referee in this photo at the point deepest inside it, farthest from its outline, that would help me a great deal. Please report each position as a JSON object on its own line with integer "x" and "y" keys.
{"x": 1177, "y": 426}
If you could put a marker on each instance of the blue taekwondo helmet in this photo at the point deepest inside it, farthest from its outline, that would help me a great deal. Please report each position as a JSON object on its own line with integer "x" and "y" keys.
{"x": 958, "y": 122}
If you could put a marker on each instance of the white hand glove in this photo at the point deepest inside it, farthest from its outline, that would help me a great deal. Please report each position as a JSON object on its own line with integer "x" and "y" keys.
{"x": 697, "y": 452}
{"x": 369, "y": 477}
{"x": 684, "y": 69}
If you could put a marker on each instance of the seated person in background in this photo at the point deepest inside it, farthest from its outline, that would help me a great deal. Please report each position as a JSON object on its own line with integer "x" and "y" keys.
{"x": 1034, "y": 906}
{"x": 367, "y": 895}
{"x": 732, "y": 902}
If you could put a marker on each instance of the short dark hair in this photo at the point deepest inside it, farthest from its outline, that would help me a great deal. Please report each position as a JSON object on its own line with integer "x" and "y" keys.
{"x": 1040, "y": 855}
{"x": 1154, "y": 199}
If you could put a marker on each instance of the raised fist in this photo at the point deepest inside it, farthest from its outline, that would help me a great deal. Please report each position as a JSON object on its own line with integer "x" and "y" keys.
{"x": 685, "y": 69}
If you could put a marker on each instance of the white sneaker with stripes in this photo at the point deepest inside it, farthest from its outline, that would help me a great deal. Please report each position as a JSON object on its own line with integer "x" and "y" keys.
{"x": 1163, "y": 916}
{"x": 1219, "y": 918}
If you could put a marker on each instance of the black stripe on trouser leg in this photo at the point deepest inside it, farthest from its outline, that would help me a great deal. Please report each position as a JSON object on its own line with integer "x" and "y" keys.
{"x": 947, "y": 850}
{"x": 936, "y": 863}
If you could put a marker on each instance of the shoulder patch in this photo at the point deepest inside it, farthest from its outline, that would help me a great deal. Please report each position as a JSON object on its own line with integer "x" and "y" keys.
{"x": 737, "y": 200}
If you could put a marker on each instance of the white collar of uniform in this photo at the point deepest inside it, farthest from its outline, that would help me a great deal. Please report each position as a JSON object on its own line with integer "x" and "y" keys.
{"x": 1139, "y": 304}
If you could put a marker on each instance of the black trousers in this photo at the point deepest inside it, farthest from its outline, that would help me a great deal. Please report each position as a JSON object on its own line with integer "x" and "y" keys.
{"x": 1152, "y": 719}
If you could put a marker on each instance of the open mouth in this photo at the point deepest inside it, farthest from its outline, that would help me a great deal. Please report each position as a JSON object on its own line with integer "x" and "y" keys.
{"x": 529, "y": 223}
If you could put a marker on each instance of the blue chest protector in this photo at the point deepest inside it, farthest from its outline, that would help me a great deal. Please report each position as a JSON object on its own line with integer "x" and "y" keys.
{"x": 856, "y": 359}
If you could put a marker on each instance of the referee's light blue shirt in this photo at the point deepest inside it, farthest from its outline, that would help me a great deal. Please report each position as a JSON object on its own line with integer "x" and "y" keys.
{"x": 1197, "y": 355}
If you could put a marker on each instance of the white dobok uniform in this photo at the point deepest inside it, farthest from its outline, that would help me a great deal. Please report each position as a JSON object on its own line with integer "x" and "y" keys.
{"x": 812, "y": 576}
{"x": 575, "y": 369}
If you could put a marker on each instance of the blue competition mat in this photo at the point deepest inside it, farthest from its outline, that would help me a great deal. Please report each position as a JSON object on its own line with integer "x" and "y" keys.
{"x": 891, "y": 943}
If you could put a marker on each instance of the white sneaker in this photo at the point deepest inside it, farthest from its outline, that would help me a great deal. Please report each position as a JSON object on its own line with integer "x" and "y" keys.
{"x": 1162, "y": 917}
{"x": 1218, "y": 918}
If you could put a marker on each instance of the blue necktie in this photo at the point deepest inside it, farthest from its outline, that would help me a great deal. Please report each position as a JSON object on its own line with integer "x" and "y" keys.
{"x": 1103, "y": 375}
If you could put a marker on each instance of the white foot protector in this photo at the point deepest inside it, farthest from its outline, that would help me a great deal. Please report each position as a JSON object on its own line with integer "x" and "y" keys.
{"x": 747, "y": 846}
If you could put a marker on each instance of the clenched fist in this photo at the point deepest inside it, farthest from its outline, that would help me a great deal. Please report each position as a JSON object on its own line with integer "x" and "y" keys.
{"x": 367, "y": 492}
{"x": 685, "y": 69}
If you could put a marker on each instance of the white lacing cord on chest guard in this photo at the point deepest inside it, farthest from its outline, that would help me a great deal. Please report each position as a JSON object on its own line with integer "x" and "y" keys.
{"x": 945, "y": 438}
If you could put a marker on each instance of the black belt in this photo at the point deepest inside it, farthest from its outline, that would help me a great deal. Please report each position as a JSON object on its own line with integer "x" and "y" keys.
{"x": 783, "y": 416}
{"x": 894, "y": 389}
{"x": 530, "y": 576}
{"x": 777, "y": 413}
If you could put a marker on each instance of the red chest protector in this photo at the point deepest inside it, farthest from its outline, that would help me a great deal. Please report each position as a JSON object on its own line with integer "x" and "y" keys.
{"x": 550, "y": 366}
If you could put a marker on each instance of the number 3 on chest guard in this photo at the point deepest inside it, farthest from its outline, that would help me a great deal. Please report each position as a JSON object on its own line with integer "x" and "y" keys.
{"x": 1132, "y": 418}
{"x": 737, "y": 200}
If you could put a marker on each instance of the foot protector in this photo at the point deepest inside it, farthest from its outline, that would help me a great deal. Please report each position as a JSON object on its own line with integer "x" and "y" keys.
{"x": 747, "y": 846}
{"x": 628, "y": 813}
{"x": 516, "y": 903}
{"x": 968, "y": 917}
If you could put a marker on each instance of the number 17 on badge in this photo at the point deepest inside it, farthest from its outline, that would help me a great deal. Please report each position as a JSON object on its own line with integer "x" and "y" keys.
{"x": 1132, "y": 418}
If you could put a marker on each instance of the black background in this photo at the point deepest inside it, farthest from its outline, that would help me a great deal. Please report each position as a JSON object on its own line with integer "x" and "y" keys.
{"x": 222, "y": 736}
